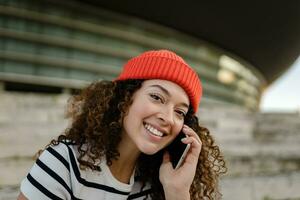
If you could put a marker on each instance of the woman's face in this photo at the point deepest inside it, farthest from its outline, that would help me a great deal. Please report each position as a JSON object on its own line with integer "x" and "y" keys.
{"x": 156, "y": 116}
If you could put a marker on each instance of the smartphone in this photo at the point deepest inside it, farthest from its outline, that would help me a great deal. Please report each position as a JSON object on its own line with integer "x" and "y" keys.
{"x": 178, "y": 150}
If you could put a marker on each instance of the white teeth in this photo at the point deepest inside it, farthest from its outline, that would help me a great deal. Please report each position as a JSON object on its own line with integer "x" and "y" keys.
{"x": 153, "y": 130}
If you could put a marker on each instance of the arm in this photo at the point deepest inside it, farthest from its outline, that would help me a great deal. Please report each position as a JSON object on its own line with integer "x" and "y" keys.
{"x": 49, "y": 176}
{"x": 177, "y": 183}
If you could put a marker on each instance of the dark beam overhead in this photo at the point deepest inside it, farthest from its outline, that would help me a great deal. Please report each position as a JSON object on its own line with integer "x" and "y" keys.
{"x": 265, "y": 33}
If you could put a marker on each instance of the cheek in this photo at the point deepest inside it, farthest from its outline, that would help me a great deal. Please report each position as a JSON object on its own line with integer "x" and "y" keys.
{"x": 176, "y": 131}
{"x": 143, "y": 109}
{"x": 135, "y": 113}
{"x": 179, "y": 126}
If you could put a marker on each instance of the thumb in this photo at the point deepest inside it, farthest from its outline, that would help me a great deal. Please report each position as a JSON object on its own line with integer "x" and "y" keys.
{"x": 166, "y": 157}
{"x": 166, "y": 168}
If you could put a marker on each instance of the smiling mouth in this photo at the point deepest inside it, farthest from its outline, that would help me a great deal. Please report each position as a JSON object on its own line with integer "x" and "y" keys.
{"x": 153, "y": 130}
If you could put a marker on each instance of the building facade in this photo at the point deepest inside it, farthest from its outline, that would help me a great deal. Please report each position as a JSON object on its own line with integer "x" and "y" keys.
{"x": 67, "y": 44}
{"x": 49, "y": 48}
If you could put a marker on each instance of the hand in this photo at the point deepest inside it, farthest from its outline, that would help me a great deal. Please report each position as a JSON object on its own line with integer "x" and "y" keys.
{"x": 177, "y": 183}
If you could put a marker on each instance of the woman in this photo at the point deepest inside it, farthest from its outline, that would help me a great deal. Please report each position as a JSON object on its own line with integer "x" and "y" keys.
{"x": 115, "y": 147}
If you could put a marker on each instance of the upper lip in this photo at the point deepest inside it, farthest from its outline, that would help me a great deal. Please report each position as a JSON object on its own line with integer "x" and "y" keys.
{"x": 165, "y": 132}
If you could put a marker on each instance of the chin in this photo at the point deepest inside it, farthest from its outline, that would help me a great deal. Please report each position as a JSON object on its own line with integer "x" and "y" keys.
{"x": 149, "y": 150}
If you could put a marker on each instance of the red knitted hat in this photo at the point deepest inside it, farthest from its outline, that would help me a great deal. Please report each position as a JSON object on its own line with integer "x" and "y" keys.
{"x": 165, "y": 65}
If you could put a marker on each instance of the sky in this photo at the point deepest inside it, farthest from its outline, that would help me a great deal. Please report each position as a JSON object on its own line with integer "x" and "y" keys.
{"x": 284, "y": 93}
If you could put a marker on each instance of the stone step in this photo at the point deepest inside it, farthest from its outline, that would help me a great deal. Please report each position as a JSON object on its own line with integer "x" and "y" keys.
{"x": 18, "y": 140}
{"x": 277, "y": 127}
{"x": 18, "y": 107}
{"x": 283, "y": 186}
{"x": 13, "y": 170}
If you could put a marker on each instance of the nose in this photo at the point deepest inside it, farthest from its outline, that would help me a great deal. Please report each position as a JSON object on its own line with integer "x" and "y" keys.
{"x": 167, "y": 116}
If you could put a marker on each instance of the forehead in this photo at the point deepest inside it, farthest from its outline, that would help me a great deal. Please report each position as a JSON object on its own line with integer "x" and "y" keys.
{"x": 173, "y": 89}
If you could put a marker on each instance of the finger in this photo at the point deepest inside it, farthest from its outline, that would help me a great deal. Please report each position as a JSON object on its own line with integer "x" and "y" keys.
{"x": 166, "y": 157}
{"x": 191, "y": 133}
{"x": 166, "y": 163}
{"x": 193, "y": 141}
{"x": 196, "y": 146}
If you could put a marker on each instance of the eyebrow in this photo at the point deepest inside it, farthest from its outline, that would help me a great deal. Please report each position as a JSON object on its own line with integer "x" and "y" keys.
{"x": 164, "y": 90}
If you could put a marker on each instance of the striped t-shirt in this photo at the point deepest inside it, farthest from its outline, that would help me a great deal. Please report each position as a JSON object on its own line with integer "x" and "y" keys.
{"x": 56, "y": 175}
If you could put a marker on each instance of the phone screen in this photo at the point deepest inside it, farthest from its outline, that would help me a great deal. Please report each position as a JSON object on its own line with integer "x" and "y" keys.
{"x": 178, "y": 150}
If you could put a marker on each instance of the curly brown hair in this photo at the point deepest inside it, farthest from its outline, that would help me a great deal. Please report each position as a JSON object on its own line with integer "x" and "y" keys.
{"x": 96, "y": 116}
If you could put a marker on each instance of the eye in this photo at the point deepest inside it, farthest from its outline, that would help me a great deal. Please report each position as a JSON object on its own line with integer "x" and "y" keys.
{"x": 157, "y": 97}
{"x": 181, "y": 113}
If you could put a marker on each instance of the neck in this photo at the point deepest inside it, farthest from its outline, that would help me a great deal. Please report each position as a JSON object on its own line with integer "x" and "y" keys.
{"x": 124, "y": 166}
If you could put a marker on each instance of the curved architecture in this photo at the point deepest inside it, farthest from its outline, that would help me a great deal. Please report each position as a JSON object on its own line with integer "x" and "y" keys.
{"x": 265, "y": 33}
{"x": 68, "y": 44}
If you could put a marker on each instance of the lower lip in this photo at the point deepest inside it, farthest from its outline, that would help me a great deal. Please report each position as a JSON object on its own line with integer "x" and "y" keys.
{"x": 153, "y": 137}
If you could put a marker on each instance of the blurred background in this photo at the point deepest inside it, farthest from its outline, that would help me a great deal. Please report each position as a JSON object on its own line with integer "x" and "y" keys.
{"x": 244, "y": 52}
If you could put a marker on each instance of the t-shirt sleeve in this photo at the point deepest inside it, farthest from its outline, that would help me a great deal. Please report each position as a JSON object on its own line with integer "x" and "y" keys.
{"x": 49, "y": 178}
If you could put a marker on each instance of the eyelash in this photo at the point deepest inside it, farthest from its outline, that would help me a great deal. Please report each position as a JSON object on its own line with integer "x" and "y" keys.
{"x": 181, "y": 113}
{"x": 157, "y": 97}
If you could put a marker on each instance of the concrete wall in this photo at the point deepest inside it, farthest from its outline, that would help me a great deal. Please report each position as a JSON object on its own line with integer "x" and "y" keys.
{"x": 27, "y": 123}
{"x": 262, "y": 150}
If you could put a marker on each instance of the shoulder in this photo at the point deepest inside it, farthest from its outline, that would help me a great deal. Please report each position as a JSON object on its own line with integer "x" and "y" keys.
{"x": 50, "y": 175}
{"x": 61, "y": 154}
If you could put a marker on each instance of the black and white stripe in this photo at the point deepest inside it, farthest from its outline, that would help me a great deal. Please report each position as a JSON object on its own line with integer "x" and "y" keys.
{"x": 42, "y": 188}
{"x": 68, "y": 164}
{"x": 87, "y": 183}
{"x": 139, "y": 194}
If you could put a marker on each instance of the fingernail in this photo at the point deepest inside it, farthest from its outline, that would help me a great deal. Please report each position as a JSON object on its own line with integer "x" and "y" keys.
{"x": 183, "y": 139}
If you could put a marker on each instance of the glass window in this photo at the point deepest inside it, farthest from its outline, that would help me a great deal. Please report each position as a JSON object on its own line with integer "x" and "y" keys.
{"x": 51, "y": 71}
{"x": 19, "y": 46}
{"x": 56, "y": 31}
{"x": 34, "y": 27}
{"x": 15, "y": 24}
{"x": 54, "y": 52}
{"x": 82, "y": 56}
{"x": 21, "y": 68}
{"x": 81, "y": 75}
